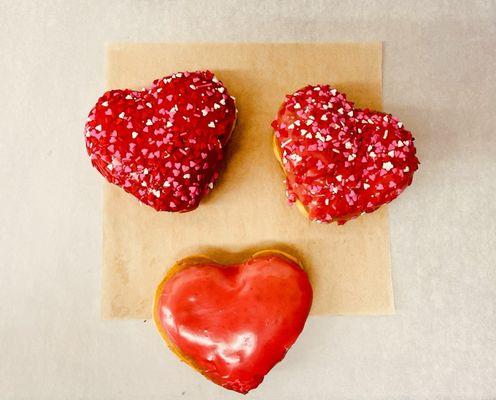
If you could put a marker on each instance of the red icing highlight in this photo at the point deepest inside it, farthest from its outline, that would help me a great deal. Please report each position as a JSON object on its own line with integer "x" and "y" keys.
{"x": 234, "y": 323}
{"x": 341, "y": 161}
{"x": 164, "y": 145}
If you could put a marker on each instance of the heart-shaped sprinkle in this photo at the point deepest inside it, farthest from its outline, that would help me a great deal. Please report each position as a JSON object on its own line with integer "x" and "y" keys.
{"x": 340, "y": 161}
{"x": 135, "y": 137}
{"x": 233, "y": 323}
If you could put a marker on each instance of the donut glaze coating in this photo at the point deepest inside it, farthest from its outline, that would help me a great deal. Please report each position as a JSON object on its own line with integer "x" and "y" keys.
{"x": 233, "y": 323}
{"x": 165, "y": 144}
{"x": 340, "y": 161}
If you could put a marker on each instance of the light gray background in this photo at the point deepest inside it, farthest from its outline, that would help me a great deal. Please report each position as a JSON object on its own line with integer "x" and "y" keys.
{"x": 439, "y": 77}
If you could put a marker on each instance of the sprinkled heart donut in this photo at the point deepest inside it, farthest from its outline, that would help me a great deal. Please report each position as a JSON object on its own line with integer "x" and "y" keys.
{"x": 233, "y": 323}
{"x": 340, "y": 161}
{"x": 165, "y": 144}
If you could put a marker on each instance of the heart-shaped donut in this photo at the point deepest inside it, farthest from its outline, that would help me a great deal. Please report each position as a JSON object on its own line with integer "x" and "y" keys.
{"x": 340, "y": 161}
{"x": 233, "y": 323}
{"x": 165, "y": 144}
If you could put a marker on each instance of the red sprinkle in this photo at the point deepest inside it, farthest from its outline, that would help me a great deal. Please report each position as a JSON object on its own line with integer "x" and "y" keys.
{"x": 164, "y": 145}
{"x": 341, "y": 161}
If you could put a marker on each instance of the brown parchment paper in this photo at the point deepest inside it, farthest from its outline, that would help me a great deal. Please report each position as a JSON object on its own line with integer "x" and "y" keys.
{"x": 349, "y": 265}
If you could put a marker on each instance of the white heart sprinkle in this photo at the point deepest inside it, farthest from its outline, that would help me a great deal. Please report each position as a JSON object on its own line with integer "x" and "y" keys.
{"x": 387, "y": 166}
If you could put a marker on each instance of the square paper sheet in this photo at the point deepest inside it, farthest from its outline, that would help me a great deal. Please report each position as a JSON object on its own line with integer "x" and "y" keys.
{"x": 247, "y": 211}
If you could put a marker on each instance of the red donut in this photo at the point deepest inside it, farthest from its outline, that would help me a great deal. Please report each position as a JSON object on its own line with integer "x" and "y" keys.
{"x": 340, "y": 161}
{"x": 233, "y": 323}
{"x": 165, "y": 144}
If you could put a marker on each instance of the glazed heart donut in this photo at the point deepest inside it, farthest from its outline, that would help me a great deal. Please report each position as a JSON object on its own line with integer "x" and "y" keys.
{"x": 165, "y": 144}
{"x": 233, "y": 323}
{"x": 340, "y": 161}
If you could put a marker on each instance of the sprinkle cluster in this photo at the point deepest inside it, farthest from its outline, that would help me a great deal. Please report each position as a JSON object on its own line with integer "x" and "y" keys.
{"x": 340, "y": 161}
{"x": 164, "y": 145}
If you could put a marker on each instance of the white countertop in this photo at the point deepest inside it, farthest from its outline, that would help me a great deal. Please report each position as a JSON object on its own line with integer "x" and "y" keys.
{"x": 439, "y": 78}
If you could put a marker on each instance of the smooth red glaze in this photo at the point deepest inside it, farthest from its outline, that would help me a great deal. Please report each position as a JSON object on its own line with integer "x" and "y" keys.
{"x": 234, "y": 323}
{"x": 164, "y": 145}
{"x": 341, "y": 161}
